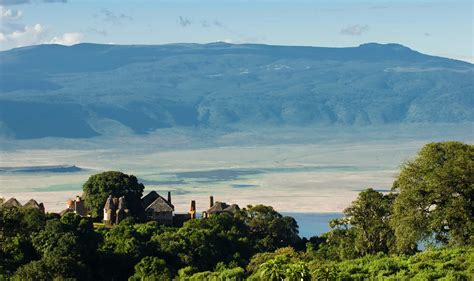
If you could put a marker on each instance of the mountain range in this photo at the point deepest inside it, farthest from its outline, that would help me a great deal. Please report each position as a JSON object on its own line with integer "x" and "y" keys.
{"x": 87, "y": 90}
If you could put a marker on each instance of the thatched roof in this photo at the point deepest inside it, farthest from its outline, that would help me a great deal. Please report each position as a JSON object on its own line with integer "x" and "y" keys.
{"x": 32, "y": 204}
{"x": 160, "y": 205}
{"x": 149, "y": 198}
{"x": 220, "y": 207}
{"x": 232, "y": 208}
{"x": 12, "y": 202}
{"x": 217, "y": 207}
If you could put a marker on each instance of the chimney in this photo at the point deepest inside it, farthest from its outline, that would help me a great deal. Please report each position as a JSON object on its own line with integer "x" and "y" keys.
{"x": 169, "y": 197}
{"x": 70, "y": 204}
{"x": 211, "y": 201}
{"x": 192, "y": 211}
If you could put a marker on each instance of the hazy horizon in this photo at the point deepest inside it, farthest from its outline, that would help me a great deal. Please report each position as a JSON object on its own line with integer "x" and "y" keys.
{"x": 246, "y": 43}
{"x": 422, "y": 25}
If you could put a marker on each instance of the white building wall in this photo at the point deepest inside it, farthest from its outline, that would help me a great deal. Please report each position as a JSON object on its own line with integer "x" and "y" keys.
{"x": 106, "y": 216}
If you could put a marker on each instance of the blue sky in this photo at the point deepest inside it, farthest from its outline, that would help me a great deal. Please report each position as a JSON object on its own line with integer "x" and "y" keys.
{"x": 443, "y": 28}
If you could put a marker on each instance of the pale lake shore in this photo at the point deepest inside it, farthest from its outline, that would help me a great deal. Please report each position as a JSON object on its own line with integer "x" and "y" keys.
{"x": 316, "y": 178}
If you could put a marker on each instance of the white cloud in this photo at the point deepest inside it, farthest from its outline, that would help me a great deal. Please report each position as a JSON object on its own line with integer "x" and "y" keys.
{"x": 10, "y": 14}
{"x": 70, "y": 38}
{"x": 27, "y": 35}
{"x": 17, "y": 34}
{"x": 14, "y": 34}
{"x": 355, "y": 30}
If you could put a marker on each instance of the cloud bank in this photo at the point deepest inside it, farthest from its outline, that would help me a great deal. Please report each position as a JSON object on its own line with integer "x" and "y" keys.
{"x": 10, "y": 14}
{"x": 28, "y": 35}
{"x": 19, "y": 35}
{"x": 68, "y": 39}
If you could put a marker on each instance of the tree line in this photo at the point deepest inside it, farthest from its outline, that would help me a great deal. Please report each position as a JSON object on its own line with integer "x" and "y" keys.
{"x": 379, "y": 235}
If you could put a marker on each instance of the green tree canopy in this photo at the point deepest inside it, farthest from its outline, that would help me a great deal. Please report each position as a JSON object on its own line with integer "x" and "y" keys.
{"x": 269, "y": 229}
{"x": 53, "y": 268}
{"x": 16, "y": 227}
{"x": 369, "y": 218}
{"x": 151, "y": 268}
{"x": 435, "y": 201}
{"x": 98, "y": 187}
{"x": 200, "y": 242}
{"x": 364, "y": 229}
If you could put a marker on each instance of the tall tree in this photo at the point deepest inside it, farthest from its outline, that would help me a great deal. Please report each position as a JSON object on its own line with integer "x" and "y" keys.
{"x": 269, "y": 229}
{"x": 369, "y": 218}
{"x": 364, "y": 229}
{"x": 435, "y": 201}
{"x": 98, "y": 187}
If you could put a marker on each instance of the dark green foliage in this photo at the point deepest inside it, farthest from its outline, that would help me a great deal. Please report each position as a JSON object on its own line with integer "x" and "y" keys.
{"x": 53, "y": 268}
{"x": 436, "y": 197}
{"x": 98, "y": 187}
{"x": 364, "y": 230}
{"x": 151, "y": 268}
{"x": 40, "y": 249}
{"x": 71, "y": 236}
{"x": 369, "y": 218}
{"x": 199, "y": 243}
{"x": 125, "y": 245}
{"x": 17, "y": 225}
{"x": 269, "y": 228}
{"x": 258, "y": 243}
{"x": 67, "y": 248}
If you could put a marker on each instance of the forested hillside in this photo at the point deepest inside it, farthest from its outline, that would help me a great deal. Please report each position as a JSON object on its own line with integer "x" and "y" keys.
{"x": 87, "y": 90}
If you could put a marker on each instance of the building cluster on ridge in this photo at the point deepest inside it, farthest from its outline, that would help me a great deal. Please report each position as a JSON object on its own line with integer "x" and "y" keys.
{"x": 76, "y": 206}
{"x": 160, "y": 209}
{"x": 155, "y": 207}
{"x": 115, "y": 210}
{"x": 12, "y": 202}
